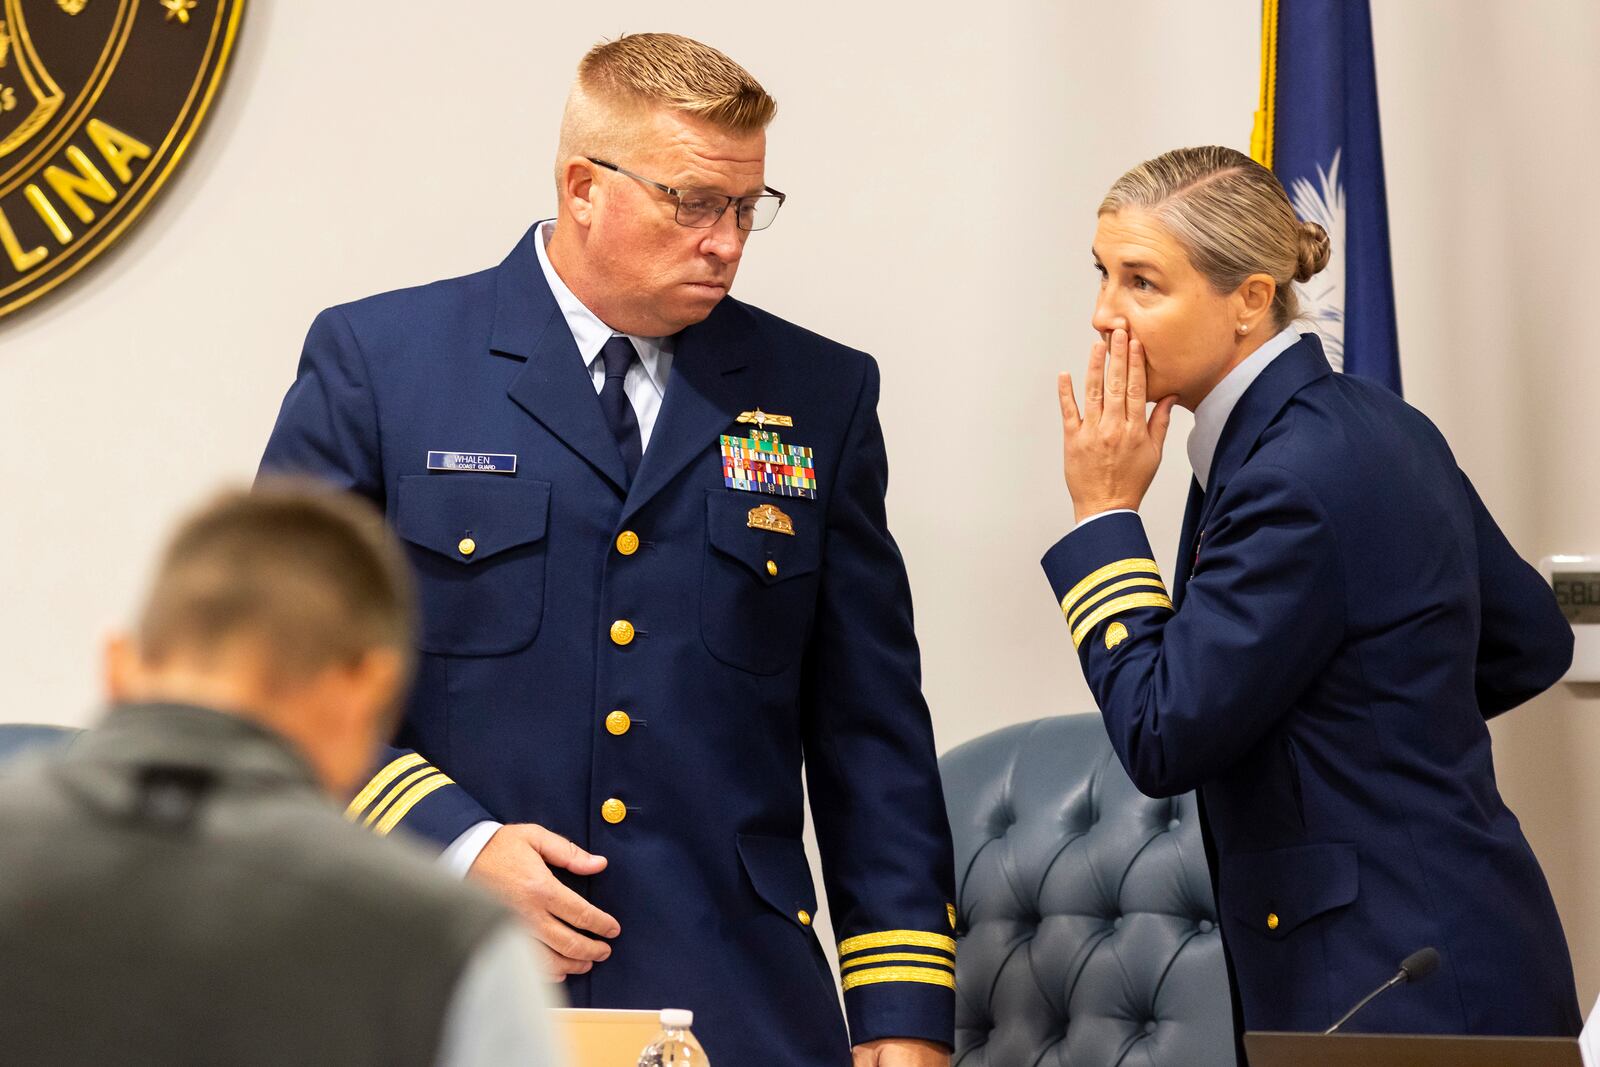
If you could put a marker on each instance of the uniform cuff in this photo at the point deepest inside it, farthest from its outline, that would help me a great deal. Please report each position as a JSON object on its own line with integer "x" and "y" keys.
{"x": 411, "y": 792}
{"x": 1102, "y": 571}
{"x": 899, "y": 983}
{"x": 459, "y": 856}
{"x": 1103, "y": 514}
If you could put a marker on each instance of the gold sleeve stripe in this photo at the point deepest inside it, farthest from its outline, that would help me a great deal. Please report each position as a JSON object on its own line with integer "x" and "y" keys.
{"x": 875, "y": 975}
{"x": 1117, "y": 607}
{"x": 397, "y": 792}
{"x": 895, "y": 938}
{"x": 1115, "y": 587}
{"x": 411, "y": 800}
{"x": 885, "y": 957}
{"x": 1069, "y": 603}
{"x": 380, "y": 782}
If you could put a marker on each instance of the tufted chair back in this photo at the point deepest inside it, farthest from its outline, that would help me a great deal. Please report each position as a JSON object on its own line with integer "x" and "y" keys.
{"x": 17, "y": 738}
{"x": 1087, "y": 932}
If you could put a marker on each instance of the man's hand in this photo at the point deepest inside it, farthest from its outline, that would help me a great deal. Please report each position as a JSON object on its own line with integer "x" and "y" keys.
{"x": 900, "y": 1052}
{"x": 1110, "y": 451}
{"x": 516, "y": 864}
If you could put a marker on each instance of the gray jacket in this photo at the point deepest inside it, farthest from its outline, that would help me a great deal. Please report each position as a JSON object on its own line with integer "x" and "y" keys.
{"x": 175, "y": 889}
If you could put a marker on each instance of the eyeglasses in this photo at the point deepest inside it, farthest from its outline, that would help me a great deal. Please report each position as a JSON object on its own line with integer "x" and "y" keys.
{"x": 702, "y": 208}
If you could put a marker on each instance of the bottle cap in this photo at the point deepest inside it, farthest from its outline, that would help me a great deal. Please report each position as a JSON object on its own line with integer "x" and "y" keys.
{"x": 676, "y": 1018}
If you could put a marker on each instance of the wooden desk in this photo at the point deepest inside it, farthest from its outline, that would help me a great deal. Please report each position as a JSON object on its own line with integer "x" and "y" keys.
{"x": 601, "y": 1038}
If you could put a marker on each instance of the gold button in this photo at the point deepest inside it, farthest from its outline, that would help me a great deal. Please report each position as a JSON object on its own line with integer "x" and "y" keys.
{"x": 617, "y": 723}
{"x": 772, "y": 568}
{"x": 622, "y": 632}
{"x": 613, "y": 811}
{"x": 466, "y": 546}
{"x": 627, "y": 542}
{"x": 1272, "y": 920}
{"x": 804, "y": 917}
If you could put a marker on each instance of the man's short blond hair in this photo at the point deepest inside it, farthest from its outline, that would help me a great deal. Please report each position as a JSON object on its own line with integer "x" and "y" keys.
{"x": 619, "y": 81}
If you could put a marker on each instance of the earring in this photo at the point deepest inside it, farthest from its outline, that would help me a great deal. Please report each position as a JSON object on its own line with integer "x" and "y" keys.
{"x": 1243, "y": 328}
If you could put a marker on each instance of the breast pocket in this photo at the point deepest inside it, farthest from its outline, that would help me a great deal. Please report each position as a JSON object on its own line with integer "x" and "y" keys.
{"x": 477, "y": 544}
{"x": 760, "y": 586}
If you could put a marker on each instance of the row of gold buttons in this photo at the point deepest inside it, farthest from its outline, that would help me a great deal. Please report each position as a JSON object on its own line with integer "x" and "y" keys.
{"x": 618, "y": 722}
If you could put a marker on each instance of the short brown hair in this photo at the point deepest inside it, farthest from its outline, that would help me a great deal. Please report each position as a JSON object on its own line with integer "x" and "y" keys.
{"x": 312, "y": 573}
{"x": 1231, "y": 216}
{"x": 643, "y": 71}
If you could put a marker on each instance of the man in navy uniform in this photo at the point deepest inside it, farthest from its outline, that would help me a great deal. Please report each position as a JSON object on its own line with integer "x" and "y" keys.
{"x": 648, "y": 524}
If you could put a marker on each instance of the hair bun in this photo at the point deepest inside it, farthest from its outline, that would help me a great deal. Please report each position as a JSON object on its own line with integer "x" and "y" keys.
{"x": 1312, "y": 254}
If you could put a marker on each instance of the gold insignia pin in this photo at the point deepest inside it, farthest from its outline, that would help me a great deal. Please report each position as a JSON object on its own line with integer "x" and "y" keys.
{"x": 1116, "y": 633}
{"x": 762, "y": 420}
{"x": 771, "y": 518}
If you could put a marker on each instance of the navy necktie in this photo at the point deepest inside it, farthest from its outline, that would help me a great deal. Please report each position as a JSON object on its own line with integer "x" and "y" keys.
{"x": 618, "y": 355}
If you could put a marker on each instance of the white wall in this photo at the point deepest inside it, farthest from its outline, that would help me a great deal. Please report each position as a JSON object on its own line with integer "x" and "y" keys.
{"x": 943, "y": 161}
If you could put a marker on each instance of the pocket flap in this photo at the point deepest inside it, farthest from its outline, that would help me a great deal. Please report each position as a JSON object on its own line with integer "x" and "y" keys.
{"x": 1274, "y": 892}
{"x": 730, "y": 531}
{"x": 440, "y": 512}
{"x": 779, "y": 871}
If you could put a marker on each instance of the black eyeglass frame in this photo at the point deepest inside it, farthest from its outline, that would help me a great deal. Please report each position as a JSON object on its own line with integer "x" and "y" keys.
{"x": 727, "y": 201}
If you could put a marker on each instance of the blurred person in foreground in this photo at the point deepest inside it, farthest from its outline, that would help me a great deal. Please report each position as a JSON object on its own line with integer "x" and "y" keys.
{"x": 1345, "y": 617}
{"x": 179, "y": 887}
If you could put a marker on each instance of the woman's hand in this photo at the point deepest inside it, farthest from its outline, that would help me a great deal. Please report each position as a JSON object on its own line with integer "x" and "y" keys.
{"x": 1110, "y": 450}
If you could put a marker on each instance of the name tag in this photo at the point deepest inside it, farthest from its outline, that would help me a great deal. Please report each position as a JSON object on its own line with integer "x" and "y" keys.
{"x": 488, "y": 462}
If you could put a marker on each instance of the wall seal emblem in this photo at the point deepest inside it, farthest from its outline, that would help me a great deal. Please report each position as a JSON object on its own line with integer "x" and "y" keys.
{"x": 99, "y": 100}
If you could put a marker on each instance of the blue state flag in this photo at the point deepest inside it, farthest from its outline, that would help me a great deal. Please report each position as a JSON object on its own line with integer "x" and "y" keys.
{"x": 1318, "y": 131}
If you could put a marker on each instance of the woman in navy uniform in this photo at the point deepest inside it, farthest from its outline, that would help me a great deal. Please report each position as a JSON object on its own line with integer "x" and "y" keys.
{"x": 1345, "y": 617}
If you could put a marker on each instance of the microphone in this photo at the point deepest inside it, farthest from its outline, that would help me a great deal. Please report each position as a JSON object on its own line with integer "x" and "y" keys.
{"x": 1414, "y": 968}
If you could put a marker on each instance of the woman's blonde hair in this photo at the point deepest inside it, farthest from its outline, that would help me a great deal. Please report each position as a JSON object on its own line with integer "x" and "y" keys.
{"x": 1231, "y": 216}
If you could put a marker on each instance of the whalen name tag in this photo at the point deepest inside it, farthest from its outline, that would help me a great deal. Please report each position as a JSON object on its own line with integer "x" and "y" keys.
{"x": 488, "y": 462}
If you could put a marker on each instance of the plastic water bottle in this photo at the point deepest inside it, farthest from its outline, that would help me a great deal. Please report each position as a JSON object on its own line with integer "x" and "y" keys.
{"x": 674, "y": 1046}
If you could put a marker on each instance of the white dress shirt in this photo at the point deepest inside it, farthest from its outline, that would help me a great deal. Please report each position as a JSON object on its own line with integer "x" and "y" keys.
{"x": 646, "y": 383}
{"x": 646, "y": 386}
{"x": 1211, "y": 417}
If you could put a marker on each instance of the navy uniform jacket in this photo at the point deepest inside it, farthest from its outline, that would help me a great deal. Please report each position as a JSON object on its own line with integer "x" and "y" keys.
{"x": 751, "y": 651}
{"x": 1347, "y": 615}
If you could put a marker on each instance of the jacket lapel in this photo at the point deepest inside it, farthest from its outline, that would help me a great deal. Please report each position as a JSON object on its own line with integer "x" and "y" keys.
{"x": 700, "y": 402}
{"x": 553, "y": 386}
{"x": 1299, "y": 366}
{"x": 1186, "y": 541}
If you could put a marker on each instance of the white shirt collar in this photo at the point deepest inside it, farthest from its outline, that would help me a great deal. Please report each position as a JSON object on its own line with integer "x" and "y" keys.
{"x": 1212, "y": 415}
{"x": 588, "y": 331}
